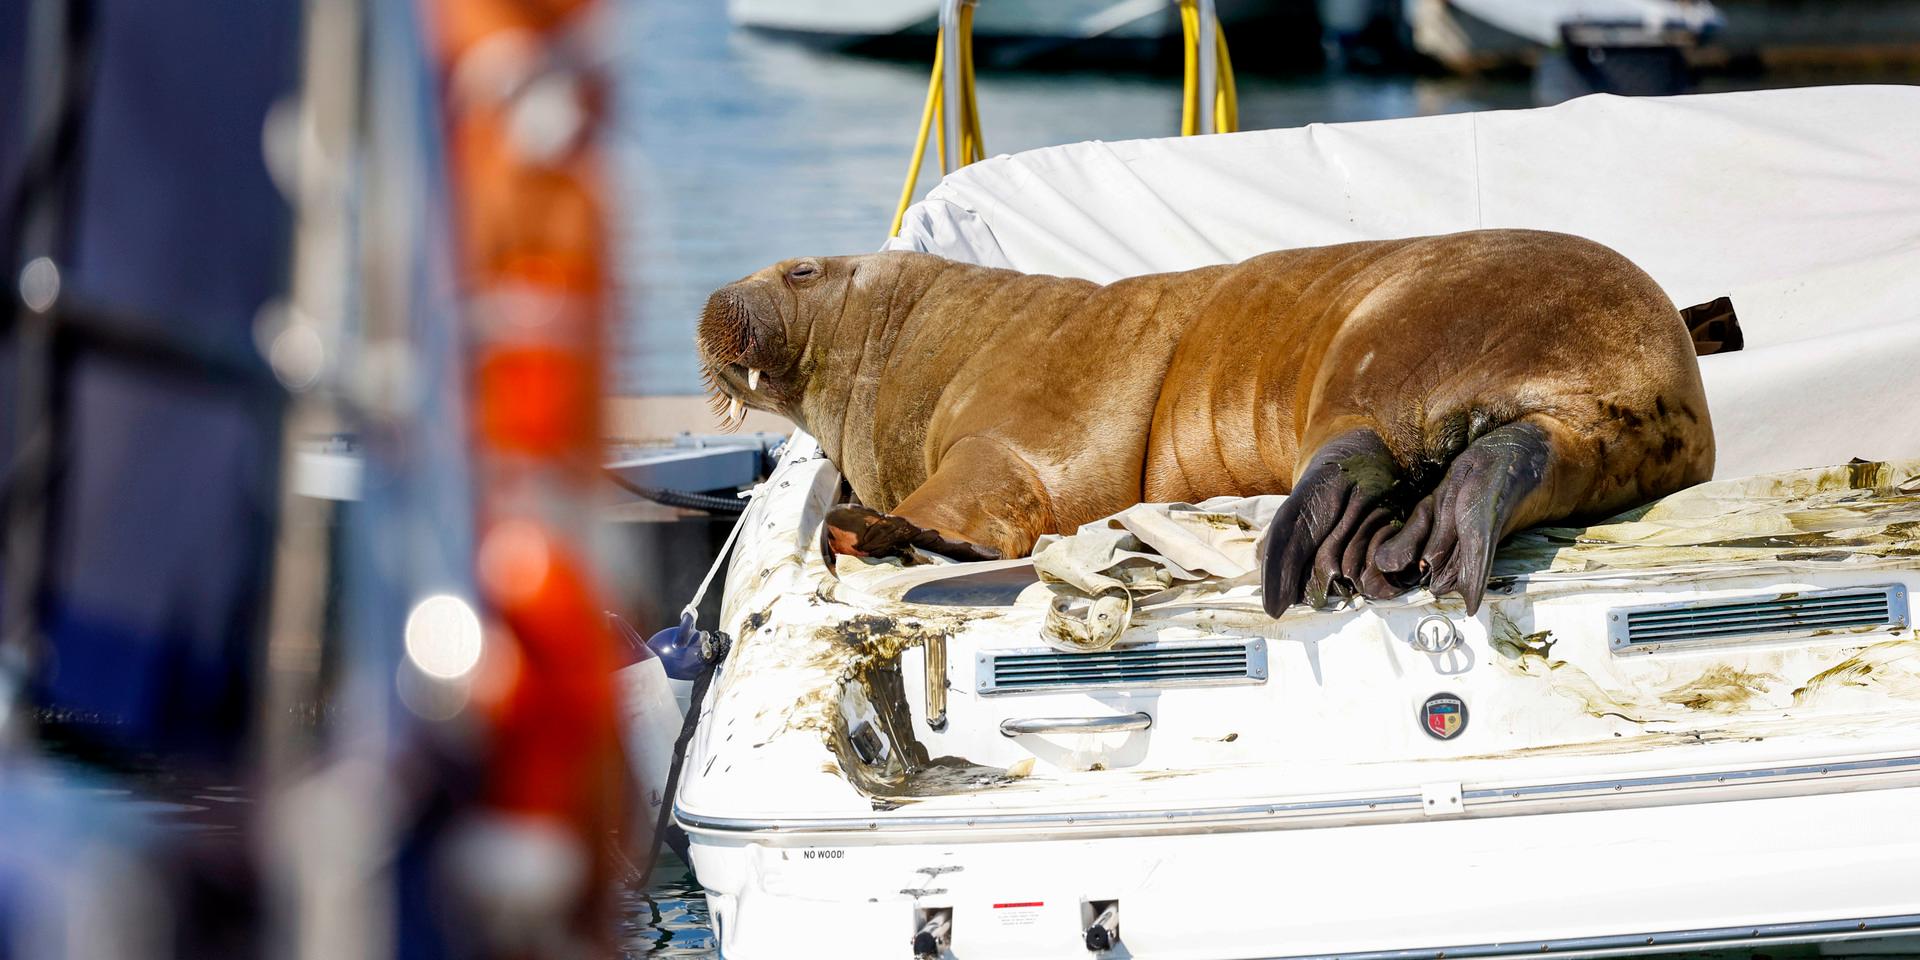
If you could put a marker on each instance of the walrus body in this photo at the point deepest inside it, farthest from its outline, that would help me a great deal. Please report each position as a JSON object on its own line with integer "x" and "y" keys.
{"x": 1418, "y": 399}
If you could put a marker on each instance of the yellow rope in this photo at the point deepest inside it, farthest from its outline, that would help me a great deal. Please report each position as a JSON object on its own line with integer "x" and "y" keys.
{"x": 938, "y": 100}
{"x": 971, "y": 148}
{"x": 1227, "y": 119}
{"x": 1190, "y": 78}
{"x": 1226, "y": 97}
{"x": 920, "y": 145}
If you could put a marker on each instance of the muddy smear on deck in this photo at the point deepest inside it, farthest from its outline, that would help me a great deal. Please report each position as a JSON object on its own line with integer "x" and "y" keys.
{"x": 1718, "y": 689}
{"x": 1720, "y": 695}
{"x": 1721, "y": 689}
{"x": 863, "y": 653}
{"x": 1531, "y": 655}
{"x": 908, "y": 773}
{"x": 1891, "y": 668}
{"x": 1862, "y": 512}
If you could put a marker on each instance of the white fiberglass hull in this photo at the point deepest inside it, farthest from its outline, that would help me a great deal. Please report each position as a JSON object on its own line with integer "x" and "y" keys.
{"x": 1605, "y": 882}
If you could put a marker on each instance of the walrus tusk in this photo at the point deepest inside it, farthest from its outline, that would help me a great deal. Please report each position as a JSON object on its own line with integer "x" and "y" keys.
{"x": 753, "y": 379}
{"x": 736, "y": 413}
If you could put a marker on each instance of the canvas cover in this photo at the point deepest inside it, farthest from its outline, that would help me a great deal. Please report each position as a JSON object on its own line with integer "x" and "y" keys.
{"x": 1861, "y": 514}
{"x": 1801, "y": 205}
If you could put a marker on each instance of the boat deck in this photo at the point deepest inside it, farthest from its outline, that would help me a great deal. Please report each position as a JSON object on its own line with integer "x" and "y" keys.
{"x": 1325, "y": 715}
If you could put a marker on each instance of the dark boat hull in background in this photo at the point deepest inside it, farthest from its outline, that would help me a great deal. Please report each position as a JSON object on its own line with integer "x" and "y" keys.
{"x": 1270, "y": 36}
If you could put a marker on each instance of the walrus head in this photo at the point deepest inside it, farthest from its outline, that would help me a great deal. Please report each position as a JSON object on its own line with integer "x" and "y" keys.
{"x": 754, "y": 333}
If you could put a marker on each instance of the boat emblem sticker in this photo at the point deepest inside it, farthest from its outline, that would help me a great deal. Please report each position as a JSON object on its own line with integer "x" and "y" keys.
{"x": 1443, "y": 716}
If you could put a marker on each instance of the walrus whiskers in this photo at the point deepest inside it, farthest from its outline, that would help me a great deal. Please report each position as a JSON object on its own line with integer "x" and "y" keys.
{"x": 725, "y": 329}
{"x": 716, "y": 398}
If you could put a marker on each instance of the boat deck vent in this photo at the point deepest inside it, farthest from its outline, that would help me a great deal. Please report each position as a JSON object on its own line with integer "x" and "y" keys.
{"x": 1169, "y": 664}
{"x": 1767, "y": 617}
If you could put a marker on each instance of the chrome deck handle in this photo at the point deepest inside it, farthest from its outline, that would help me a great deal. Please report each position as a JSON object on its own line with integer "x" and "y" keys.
{"x": 1124, "y": 722}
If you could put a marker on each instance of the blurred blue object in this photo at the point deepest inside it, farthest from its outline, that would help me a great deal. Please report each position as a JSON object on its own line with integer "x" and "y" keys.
{"x": 683, "y": 649}
{"x": 160, "y": 491}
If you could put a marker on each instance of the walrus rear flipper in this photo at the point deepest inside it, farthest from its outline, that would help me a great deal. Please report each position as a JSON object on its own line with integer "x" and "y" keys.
{"x": 1344, "y": 482}
{"x": 1340, "y": 525}
{"x": 1474, "y": 508}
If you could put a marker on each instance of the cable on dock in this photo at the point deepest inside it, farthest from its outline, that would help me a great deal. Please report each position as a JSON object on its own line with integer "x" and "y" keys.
{"x": 730, "y": 506}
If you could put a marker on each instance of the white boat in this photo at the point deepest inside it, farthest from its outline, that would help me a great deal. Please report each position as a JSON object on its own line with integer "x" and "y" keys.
{"x": 1469, "y": 34}
{"x": 1014, "y": 30}
{"x": 878, "y": 18}
{"x": 1545, "y": 23}
{"x": 1694, "y": 727}
{"x": 1634, "y": 47}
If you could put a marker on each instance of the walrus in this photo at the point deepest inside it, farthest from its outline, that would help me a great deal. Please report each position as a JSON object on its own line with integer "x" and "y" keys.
{"x": 1417, "y": 399}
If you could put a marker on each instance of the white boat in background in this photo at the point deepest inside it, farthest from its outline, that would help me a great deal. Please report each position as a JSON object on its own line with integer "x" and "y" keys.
{"x": 1474, "y": 33}
{"x": 1576, "y": 46}
{"x": 1655, "y": 46}
{"x": 835, "y": 18}
{"x": 1546, "y": 22}
{"x": 1693, "y": 727}
{"x": 1063, "y": 19}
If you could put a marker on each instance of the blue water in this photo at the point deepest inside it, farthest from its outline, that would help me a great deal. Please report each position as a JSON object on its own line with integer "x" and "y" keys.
{"x": 668, "y": 920}
{"x": 734, "y": 150}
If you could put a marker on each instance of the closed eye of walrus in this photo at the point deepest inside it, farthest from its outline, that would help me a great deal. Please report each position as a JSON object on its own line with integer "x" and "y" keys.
{"x": 1418, "y": 399}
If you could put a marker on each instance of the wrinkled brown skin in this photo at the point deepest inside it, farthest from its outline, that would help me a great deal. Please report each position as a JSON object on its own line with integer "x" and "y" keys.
{"x": 1454, "y": 388}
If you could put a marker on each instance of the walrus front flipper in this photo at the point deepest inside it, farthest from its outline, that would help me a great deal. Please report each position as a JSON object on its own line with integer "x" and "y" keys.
{"x": 1450, "y": 535}
{"x": 859, "y": 531}
{"x": 1334, "y": 501}
{"x": 985, "y": 495}
{"x": 856, "y": 531}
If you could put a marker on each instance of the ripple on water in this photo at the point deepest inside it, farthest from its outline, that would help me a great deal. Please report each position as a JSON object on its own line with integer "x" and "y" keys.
{"x": 667, "y": 920}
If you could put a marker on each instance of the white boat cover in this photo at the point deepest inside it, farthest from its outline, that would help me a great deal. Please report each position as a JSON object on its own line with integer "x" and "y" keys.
{"x": 1802, "y": 205}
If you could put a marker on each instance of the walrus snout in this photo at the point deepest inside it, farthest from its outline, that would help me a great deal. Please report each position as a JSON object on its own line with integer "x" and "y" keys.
{"x": 726, "y": 327}
{"x": 741, "y": 338}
